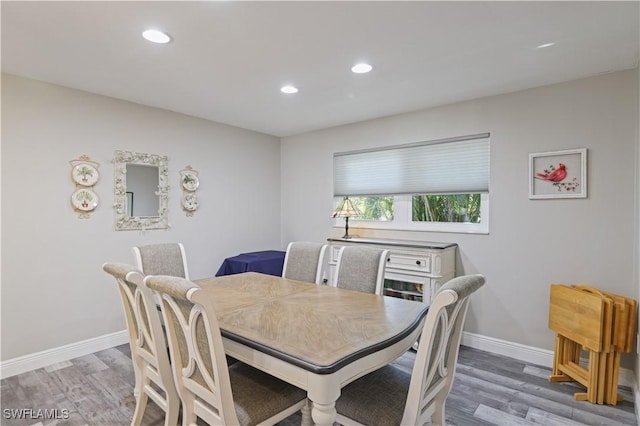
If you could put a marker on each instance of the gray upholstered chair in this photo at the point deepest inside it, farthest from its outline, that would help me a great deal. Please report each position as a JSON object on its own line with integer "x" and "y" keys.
{"x": 304, "y": 262}
{"x": 153, "y": 377}
{"x": 209, "y": 389}
{"x": 391, "y": 396}
{"x": 161, "y": 259}
{"x": 361, "y": 269}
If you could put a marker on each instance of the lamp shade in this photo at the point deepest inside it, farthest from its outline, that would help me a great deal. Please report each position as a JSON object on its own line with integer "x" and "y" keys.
{"x": 346, "y": 209}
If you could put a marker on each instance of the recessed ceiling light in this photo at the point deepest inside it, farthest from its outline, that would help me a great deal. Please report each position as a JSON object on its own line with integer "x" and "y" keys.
{"x": 361, "y": 68}
{"x": 542, "y": 46}
{"x": 289, "y": 89}
{"x": 156, "y": 36}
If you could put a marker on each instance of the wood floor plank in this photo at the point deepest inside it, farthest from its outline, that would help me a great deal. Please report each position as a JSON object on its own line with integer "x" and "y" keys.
{"x": 542, "y": 417}
{"x": 500, "y": 418}
{"x": 118, "y": 392}
{"x": 117, "y": 360}
{"x": 89, "y": 364}
{"x": 454, "y": 419}
{"x": 57, "y": 366}
{"x": 501, "y": 402}
{"x": 542, "y": 373}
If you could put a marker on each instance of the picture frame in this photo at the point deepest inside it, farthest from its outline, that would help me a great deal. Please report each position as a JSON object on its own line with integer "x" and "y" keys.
{"x": 558, "y": 174}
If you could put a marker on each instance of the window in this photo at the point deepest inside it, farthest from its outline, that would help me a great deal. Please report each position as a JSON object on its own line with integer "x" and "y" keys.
{"x": 446, "y": 208}
{"x": 432, "y": 186}
{"x": 374, "y": 208}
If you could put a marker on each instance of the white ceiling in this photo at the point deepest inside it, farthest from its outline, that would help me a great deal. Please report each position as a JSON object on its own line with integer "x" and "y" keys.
{"x": 228, "y": 59}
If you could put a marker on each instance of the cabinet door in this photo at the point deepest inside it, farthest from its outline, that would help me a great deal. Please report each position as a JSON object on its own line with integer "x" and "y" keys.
{"x": 407, "y": 287}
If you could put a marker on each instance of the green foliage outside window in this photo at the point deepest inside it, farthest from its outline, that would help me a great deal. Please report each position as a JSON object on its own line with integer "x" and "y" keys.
{"x": 374, "y": 208}
{"x": 446, "y": 208}
{"x": 458, "y": 208}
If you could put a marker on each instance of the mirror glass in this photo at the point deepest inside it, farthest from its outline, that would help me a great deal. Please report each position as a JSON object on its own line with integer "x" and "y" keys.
{"x": 141, "y": 191}
{"x": 142, "y": 183}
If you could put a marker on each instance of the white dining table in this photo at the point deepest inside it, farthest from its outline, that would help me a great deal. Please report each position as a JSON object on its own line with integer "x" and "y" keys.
{"x": 318, "y": 338}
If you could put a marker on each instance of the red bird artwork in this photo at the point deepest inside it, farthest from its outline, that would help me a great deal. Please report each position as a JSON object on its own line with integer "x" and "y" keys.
{"x": 557, "y": 175}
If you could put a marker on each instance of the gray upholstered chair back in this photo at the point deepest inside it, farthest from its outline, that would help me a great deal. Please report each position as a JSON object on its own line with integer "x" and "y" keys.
{"x": 162, "y": 259}
{"x": 361, "y": 269}
{"x": 199, "y": 364}
{"x": 418, "y": 398}
{"x": 148, "y": 345}
{"x": 304, "y": 261}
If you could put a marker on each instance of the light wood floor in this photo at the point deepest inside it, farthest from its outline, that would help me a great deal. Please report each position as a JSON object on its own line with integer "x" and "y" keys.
{"x": 488, "y": 389}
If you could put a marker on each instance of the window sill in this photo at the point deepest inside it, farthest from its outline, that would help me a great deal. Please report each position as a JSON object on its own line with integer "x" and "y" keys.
{"x": 456, "y": 228}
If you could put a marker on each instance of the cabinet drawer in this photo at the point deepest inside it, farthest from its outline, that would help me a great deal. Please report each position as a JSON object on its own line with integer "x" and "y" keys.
{"x": 410, "y": 262}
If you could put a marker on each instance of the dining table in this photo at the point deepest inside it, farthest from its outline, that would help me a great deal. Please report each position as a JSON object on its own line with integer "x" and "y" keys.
{"x": 316, "y": 337}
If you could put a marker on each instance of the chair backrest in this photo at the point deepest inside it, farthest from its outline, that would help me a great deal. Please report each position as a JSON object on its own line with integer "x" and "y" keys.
{"x": 435, "y": 363}
{"x": 161, "y": 259}
{"x": 361, "y": 269}
{"x": 304, "y": 261}
{"x": 146, "y": 338}
{"x": 198, "y": 359}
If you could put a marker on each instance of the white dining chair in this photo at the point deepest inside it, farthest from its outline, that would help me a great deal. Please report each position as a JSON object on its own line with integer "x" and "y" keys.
{"x": 361, "y": 269}
{"x": 153, "y": 377}
{"x": 211, "y": 390}
{"x": 304, "y": 261}
{"x": 390, "y": 396}
{"x": 161, "y": 259}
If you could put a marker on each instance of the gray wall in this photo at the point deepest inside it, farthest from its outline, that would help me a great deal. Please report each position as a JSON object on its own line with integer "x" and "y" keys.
{"x": 259, "y": 193}
{"x": 54, "y": 291}
{"x": 532, "y": 243}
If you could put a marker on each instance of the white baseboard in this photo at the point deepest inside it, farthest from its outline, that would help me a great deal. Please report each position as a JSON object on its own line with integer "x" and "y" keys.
{"x": 530, "y": 354}
{"x": 42, "y": 359}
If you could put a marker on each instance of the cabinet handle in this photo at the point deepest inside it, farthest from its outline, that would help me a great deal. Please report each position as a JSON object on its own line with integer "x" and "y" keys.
{"x": 418, "y": 262}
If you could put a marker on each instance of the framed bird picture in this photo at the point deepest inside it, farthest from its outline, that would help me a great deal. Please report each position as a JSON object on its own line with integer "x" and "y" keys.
{"x": 558, "y": 174}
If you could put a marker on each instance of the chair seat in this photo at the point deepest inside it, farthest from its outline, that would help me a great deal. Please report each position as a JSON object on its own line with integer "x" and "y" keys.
{"x": 378, "y": 398}
{"x": 258, "y": 396}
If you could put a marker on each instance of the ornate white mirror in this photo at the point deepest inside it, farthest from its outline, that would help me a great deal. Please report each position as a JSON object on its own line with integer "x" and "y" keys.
{"x": 141, "y": 191}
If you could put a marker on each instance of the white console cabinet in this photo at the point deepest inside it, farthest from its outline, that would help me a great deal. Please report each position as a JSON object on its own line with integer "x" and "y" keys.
{"x": 415, "y": 269}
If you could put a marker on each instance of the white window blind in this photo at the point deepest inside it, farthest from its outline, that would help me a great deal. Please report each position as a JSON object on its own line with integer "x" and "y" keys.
{"x": 446, "y": 166}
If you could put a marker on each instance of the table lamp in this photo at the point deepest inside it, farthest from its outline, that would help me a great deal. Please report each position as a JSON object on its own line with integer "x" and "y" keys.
{"x": 346, "y": 209}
